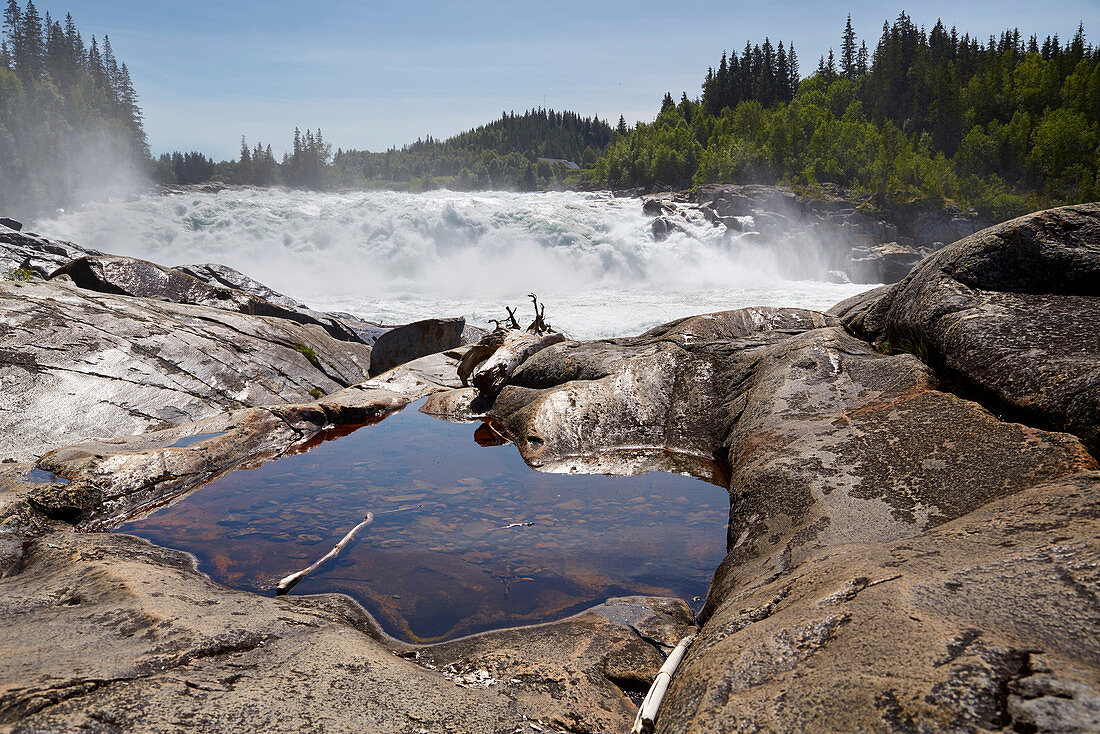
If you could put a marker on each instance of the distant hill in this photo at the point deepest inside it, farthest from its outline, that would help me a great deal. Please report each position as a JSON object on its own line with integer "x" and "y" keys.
{"x": 504, "y": 153}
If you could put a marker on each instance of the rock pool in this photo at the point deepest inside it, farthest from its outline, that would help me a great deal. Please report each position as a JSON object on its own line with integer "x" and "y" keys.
{"x": 466, "y": 537}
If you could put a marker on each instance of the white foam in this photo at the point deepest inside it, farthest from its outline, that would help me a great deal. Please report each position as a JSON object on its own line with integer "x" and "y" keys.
{"x": 397, "y": 257}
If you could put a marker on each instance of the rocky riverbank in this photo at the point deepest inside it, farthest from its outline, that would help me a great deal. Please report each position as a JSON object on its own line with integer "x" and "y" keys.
{"x": 829, "y": 229}
{"x": 914, "y": 507}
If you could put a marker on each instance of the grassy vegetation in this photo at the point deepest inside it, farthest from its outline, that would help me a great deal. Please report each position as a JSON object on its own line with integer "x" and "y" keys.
{"x": 308, "y": 353}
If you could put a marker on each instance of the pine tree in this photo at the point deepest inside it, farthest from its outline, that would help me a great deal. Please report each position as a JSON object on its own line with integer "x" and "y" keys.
{"x": 95, "y": 65}
{"x": 112, "y": 74}
{"x": 13, "y": 28}
{"x": 783, "y": 75}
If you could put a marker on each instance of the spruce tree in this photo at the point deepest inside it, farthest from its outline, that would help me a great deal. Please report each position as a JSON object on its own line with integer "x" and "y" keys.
{"x": 848, "y": 50}
{"x": 34, "y": 54}
{"x": 792, "y": 65}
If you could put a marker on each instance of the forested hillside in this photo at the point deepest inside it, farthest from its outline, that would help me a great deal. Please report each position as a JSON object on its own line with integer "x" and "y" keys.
{"x": 69, "y": 116}
{"x": 1006, "y": 124}
{"x": 524, "y": 152}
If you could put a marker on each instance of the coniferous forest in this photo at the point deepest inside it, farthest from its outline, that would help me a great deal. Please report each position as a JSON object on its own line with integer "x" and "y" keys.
{"x": 69, "y": 115}
{"x": 1006, "y": 124}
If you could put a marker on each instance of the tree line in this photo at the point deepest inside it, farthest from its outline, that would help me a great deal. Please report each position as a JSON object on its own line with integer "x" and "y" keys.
{"x": 1006, "y": 124}
{"x": 537, "y": 149}
{"x": 69, "y": 115}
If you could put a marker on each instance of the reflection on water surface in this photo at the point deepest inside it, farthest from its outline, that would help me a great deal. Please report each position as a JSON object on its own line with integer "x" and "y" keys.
{"x": 485, "y": 542}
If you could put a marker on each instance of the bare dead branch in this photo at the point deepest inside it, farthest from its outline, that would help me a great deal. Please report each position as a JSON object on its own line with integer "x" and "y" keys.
{"x": 288, "y": 582}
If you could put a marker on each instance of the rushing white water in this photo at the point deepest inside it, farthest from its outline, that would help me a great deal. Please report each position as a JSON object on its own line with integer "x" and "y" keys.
{"x": 396, "y": 257}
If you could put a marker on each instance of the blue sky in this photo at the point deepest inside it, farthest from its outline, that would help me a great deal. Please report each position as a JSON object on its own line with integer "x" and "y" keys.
{"x": 376, "y": 74}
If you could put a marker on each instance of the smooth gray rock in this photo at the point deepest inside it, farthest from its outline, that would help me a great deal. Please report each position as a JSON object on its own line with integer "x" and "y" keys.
{"x": 832, "y": 452}
{"x": 76, "y": 364}
{"x": 226, "y": 277}
{"x": 986, "y": 623}
{"x": 344, "y": 326}
{"x": 43, "y": 256}
{"x": 405, "y": 343}
{"x": 108, "y": 628}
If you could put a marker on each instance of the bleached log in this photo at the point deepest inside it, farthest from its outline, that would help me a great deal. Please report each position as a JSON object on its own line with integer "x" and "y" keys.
{"x": 647, "y": 713}
{"x": 515, "y": 348}
{"x": 288, "y": 582}
{"x": 480, "y": 352}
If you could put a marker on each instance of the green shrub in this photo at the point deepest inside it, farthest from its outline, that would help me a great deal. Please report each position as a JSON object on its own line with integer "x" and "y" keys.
{"x": 19, "y": 274}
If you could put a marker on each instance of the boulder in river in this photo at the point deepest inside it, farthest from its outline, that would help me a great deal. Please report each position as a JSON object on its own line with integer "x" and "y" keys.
{"x": 885, "y": 263}
{"x": 663, "y": 227}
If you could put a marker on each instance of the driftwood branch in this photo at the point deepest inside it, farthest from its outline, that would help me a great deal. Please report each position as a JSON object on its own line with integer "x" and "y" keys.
{"x": 514, "y": 349}
{"x": 480, "y": 352}
{"x": 490, "y": 362}
{"x": 288, "y": 582}
{"x": 647, "y": 712}
{"x": 539, "y": 325}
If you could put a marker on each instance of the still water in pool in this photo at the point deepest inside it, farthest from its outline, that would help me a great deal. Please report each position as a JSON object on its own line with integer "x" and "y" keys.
{"x": 478, "y": 540}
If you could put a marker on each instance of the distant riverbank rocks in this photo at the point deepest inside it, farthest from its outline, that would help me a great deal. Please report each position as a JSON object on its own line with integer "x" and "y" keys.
{"x": 912, "y": 545}
{"x": 827, "y": 230}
